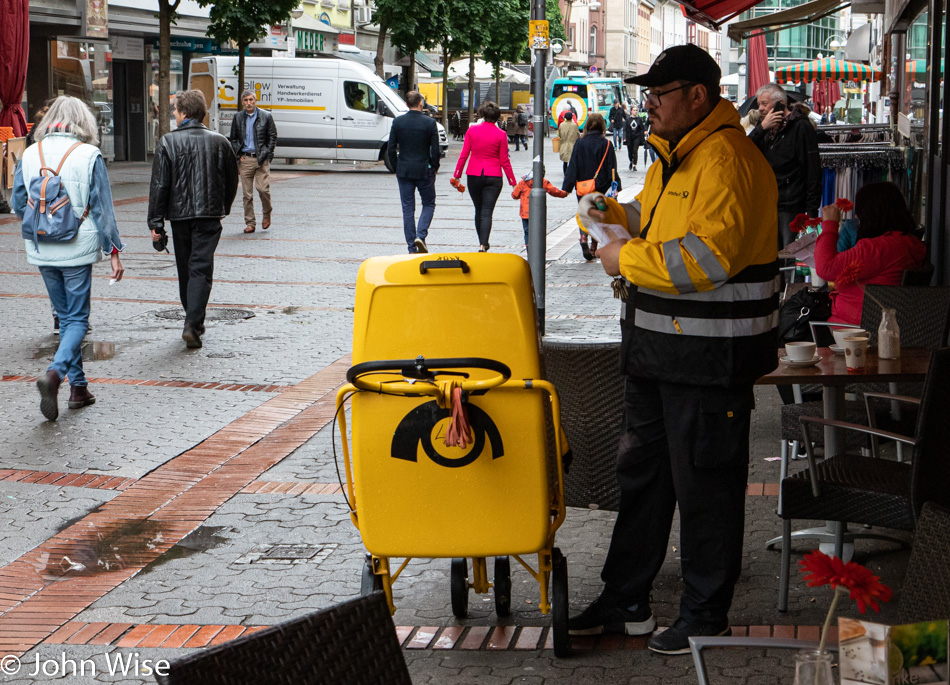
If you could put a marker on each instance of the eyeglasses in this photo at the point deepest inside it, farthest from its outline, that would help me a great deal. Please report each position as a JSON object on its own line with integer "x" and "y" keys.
{"x": 653, "y": 96}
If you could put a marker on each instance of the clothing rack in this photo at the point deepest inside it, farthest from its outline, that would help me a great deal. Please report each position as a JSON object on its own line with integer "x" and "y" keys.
{"x": 848, "y": 167}
{"x": 870, "y": 133}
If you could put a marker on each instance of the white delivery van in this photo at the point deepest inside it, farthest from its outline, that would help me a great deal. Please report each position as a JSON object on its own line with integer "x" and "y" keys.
{"x": 324, "y": 108}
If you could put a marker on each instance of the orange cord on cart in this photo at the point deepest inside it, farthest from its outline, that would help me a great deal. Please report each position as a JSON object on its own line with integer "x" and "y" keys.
{"x": 459, "y": 433}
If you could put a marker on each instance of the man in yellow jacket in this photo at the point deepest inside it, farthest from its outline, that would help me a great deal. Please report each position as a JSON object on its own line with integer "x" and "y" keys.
{"x": 698, "y": 330}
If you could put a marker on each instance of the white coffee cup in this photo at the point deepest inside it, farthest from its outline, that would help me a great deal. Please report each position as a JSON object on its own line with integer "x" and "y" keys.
{"x": 856, "y": 353}
{"x": 800, "y": 351}
{"x": 842, "y": 333}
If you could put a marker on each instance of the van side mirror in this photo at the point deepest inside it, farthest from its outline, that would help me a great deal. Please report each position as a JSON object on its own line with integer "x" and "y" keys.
{"x": 383, "y": 109}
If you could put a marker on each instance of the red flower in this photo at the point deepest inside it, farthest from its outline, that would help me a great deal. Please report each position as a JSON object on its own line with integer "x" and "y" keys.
{"x": 813, "y": 222}
{"x": 799, "y": 223}
{"x": 844, "y": 204}
{"x": 850, "y": 273}
{"x": 865, "y": 588}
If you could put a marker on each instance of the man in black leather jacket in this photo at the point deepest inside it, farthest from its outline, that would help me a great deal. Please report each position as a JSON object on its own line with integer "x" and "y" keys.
{"x": 254, "y": 150}
{"x": 194, "y": 181}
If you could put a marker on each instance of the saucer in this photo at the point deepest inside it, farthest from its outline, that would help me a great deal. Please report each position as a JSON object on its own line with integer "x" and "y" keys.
{"x": 808, "y": 362}
{"x": 837, "y": 349}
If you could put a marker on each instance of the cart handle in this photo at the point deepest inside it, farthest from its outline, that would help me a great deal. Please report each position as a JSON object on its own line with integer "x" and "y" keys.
{"x": 422, "y": 369}
{"x": 443, "y": 264}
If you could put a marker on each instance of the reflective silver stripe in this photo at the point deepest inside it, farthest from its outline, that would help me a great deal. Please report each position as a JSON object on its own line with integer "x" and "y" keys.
{"x": 705, "y": 328}
{"x": 728, "y": 292}
{"x": 705, "y": 258}
{"x": 677, "y": 267}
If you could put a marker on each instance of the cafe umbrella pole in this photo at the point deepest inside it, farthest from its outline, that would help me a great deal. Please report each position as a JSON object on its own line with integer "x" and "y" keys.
{"x": 537, "y": 220}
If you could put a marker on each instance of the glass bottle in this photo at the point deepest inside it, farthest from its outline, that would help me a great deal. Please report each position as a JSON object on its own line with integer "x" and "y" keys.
{"x": 813, "y": 668}
{"x": 889, "y": 335}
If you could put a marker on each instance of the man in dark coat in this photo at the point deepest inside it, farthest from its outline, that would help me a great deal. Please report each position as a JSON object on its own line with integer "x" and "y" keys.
{"x": 789, "y": 142}
{"x": 194, "y": 181}
{"x": 633, "y": 133}
{"x": 618, "y": 115}
{"x": 414, "y": 154}
{"x": 253, "y": 138}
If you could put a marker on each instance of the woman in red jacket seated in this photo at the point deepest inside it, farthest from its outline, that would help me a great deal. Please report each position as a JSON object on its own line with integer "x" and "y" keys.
{"x": 488, "y": 146}
{"x": 886, "y": 245}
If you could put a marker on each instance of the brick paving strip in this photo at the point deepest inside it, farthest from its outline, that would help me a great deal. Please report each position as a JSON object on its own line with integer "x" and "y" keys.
{"x": 195, "y": 385}
{"x": 176, "y": 303}
{"x": 42, "y": 591}
{"x": 503, "y": 638}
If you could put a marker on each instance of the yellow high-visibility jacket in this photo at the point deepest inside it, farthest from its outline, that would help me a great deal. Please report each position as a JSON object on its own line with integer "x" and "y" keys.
{"x": 705, "y": 265}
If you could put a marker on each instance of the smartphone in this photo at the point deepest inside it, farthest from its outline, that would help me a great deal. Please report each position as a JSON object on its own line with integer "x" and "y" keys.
{"x": 779, "y": 107}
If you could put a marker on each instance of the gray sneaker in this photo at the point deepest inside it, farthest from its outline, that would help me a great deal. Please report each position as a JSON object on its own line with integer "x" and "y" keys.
{"x": 420, "y": 245}
{"x": 601, "y": 617}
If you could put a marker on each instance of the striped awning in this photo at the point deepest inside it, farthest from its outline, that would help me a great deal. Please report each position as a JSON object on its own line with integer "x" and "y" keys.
{"x": 827, "y": 68}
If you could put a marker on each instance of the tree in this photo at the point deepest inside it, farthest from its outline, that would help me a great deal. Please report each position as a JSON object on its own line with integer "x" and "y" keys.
{"x": 167, "y": 15}
{"x": 552, "y": 12}
{"x": 410, "y": 28}
{"x": 468, "y": 25}
{"x": 507, "y": 35}
{"x": 244, "y": 22}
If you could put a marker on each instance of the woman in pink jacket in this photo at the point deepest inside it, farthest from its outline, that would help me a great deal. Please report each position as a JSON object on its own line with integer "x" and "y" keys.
{"x": 488, "y": 146}
{"x": 886, "y": 246}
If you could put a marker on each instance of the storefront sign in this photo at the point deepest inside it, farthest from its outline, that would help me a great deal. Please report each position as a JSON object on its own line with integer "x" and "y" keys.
{"x": 97, "y": 19}
{"x": 126, "y": 47}
{"x": 203, "y": 45}
{"x": 314, "y": 41}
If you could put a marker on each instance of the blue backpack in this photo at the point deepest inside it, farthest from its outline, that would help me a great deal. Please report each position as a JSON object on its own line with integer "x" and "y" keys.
{"x": 48, "y": 217}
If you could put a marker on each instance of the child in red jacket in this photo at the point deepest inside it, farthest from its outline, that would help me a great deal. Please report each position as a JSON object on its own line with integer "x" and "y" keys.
{"x": 522, "y": 192}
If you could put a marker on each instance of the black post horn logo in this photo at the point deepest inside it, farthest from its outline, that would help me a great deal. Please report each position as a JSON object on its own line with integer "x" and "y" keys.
{"x": 417, "y": 426}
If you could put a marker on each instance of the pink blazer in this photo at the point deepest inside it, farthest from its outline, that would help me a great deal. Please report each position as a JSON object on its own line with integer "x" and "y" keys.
{"x": 488, "y": 146}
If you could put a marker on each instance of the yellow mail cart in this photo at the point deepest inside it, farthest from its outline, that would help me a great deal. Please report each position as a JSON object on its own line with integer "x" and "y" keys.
{"x": 443, "y": 344}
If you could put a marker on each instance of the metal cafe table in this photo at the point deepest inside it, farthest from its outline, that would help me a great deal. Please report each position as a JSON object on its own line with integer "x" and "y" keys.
{"x": 832, "y": 374}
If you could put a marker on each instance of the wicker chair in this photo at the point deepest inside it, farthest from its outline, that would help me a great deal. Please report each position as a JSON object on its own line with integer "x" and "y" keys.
{"x": 924, "y": 597}
{"x": 868, "y": 490}
{"x": 588, "y": 380}
{"x": 353, "y": 643}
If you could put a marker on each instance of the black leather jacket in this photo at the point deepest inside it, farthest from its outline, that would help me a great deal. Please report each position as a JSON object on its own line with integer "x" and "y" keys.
{"x": 265, "y": 135}
{"x": 194, "y": 176}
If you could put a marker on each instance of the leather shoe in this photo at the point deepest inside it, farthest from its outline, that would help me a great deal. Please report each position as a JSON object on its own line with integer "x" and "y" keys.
{"x": 79, "y": 396}
{"x": 191, "y": 336}
{"x": 48, "y": 386}
{"x": 265, "y": 223}
{"x": 675, "y": 639}
{"x": 249, "y": 229}
{"x": 585, "y": 249}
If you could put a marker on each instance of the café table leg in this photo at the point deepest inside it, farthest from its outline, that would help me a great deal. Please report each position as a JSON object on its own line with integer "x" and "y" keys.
{"x": 833, "y": 397}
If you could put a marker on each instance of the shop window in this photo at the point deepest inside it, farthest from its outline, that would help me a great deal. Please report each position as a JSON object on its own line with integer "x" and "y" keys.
{"x": 83, "y": 69}
{"x": 175, "y": 83}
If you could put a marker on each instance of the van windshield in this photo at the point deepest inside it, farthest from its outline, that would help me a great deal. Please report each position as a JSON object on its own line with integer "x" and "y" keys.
{"x": 561, "y": 88}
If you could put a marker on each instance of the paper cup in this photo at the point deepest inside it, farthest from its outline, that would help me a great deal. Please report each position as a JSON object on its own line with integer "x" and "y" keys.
{"x": 800, "y": 351}
{"x": 842, "y": 333}
{"x": 856, "y": 353}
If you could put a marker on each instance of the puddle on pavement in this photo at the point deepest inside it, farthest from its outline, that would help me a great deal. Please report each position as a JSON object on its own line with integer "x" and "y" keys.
{"x": 203, "y": 539}
{"x": 103, "y": 549}
{"x": 92, "y": 351}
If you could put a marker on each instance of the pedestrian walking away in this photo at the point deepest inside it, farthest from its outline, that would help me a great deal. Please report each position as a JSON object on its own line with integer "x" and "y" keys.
{"x": 414, "y": 153}
{"x": 253, "y": 138}
{"x": 696, "y": 335}
{"x": 522, "y": 192}
{"x": 67, "y": 142}
{"x": 593, "y": 157}
{"x": 568, "y": 134}
{"x": 617, "y": 116}
{"x": 187, "y": 158}
{"x": 487, "y": 145}
{"x": 633, "y": 133}
{"x": 521, "y": 127}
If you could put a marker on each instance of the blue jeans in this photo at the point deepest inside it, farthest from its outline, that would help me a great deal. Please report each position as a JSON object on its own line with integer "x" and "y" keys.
{"x": 523, "y": 140}
{"x": 618, "y": 137}
{"x": 524, "y": 224}
{"x": 407, "y": 193}
{"x": 69, "y": 290}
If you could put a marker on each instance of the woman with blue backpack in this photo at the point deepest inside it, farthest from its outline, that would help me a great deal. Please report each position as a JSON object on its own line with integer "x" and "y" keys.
{"x": 61, "y": 191}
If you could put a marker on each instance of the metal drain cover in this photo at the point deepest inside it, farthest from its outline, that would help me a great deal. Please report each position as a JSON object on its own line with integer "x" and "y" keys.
{"x": 287, "y": 555}
{"x": 292, "y": 552}
{"x": 211, "y": 314}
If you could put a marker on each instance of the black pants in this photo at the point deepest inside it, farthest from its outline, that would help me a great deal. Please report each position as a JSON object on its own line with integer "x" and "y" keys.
{"x": 688, "y": 446}
{"x": 632, "y": 151}
{"x": 195, "y": 242}
{"x": 484, "y": 191}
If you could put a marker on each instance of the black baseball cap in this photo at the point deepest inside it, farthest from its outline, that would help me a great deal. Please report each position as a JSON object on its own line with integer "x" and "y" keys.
{"x": 680, "y": 63}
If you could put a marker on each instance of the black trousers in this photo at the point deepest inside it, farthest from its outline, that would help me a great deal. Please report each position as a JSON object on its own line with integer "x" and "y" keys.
{"x": 484, "y": 191}
{"x": 687, "y": 446}
{"x": 632, "y": 152}
{"x": 195, "y": 241}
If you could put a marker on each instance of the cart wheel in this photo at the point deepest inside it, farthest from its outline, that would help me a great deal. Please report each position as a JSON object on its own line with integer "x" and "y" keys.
{"x": 559, "y": 604}
{"x": 502, "y": 586}
{"x": 369, "y": 581}
{"x": 459, "y": 587}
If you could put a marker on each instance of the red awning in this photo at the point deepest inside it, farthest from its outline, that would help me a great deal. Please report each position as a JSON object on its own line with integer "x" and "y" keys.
{"x": 14, "y": 51}
{"x": 715, "y": 13}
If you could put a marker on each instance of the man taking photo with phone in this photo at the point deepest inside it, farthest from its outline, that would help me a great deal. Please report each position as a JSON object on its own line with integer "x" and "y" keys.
{"x": 789, "y": 142}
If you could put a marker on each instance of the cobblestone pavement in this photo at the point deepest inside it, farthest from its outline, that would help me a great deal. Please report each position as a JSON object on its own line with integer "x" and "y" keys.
{"x": 212, "y": 470}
